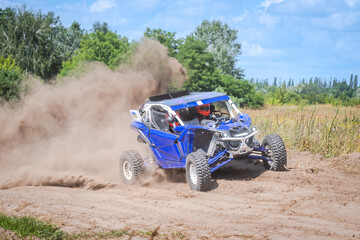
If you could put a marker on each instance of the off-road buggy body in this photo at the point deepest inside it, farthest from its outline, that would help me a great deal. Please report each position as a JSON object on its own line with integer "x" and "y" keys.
{"x": 180, "y": 137}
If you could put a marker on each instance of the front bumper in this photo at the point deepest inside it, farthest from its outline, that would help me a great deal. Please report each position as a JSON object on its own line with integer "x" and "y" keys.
{"x": 240, "y": 145}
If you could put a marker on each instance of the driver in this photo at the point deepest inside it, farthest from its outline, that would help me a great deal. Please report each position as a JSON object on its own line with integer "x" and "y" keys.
{"x": 175, "y": 123}
{"x": 203, "y": 111}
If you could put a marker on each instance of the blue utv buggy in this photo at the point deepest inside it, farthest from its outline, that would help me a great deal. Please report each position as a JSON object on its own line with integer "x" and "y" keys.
{"x": 198, "y": 131}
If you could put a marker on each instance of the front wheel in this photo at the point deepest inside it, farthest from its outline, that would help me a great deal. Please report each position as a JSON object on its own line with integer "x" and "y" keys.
{"x": 131, "y": 167}
{"x": 276, "y": 153}
{"x": 198, "y": 173}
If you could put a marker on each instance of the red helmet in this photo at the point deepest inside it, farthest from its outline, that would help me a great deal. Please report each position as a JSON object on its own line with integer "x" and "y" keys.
{"x": 176, "y": 123}
{"x": 203, "y": 109}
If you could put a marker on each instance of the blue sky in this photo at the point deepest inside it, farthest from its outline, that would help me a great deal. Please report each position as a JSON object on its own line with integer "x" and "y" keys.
{"x": 280, "y": 38}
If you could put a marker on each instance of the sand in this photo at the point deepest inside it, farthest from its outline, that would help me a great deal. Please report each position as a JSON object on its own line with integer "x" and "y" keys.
{"x": 310, "y": 201}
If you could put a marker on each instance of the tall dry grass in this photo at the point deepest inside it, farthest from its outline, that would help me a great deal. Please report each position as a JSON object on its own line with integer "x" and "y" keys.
{"x": 325, "y": 129}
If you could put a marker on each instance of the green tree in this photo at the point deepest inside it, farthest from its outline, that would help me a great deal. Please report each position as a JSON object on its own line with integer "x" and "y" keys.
{"x": 36, "y": 40}
{"x": 221, "y": 42}
{"x": 339, "y": 88}
{"x": 67, "y": 41}
{"x": 165, "y": 38}
{"x": 280, "y": 94}
{"x": 200, "y": 66}
{"x": 355, "y": 81}
{"x": 104, "y": 47}
{"x": 108, "y": 48}
{"x": 100, "y": 27}
{"x": 291, "y": 98}
{"x": 312, "y": 93}
{"x": 242, "y": 90}
{"x": 10, "y": 79}
{"x": 335, "y": 82}
{"x": 275, "y": 82}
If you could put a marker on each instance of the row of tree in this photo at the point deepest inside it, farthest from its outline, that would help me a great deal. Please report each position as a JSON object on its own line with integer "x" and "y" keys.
{"x": 310, "y": 91}
{"x": 38, "y": 43}
{"x": 325, "y": 83}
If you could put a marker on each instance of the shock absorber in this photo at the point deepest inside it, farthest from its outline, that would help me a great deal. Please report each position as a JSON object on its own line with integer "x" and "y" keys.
{"x": 213, "y": 145}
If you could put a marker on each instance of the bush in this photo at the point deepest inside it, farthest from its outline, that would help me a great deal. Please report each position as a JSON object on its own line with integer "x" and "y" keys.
{"x": 292, "y": 98}
{"x": 9, "y": 63}
{"x": 243, "y": 92}
{"x": 10, "y": 79}
{"x": 256, "y": 100}
{"x": 10, "y": 84}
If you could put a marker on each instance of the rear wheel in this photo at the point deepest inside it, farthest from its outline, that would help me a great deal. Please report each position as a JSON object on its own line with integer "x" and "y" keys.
{"x": 276, "y": 153}
{"x": 198, "y": 174}
{"x": 131, "y": 167}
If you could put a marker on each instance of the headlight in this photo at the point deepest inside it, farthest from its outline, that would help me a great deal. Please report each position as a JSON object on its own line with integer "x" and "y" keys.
{"x": 222, "y": 133}
{"x": 253, "y": 129}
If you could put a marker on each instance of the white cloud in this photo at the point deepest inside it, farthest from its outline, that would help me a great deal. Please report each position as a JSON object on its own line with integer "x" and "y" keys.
{"x": 251, "y": 49}
{"x": 352, "y": 3}
{"x": 268, "y": 20}
{"x": 102, "y": 5}
{"x": 268, "y": 3}
{"x": 240, "y": 18}
{"x": 255, "y": 50}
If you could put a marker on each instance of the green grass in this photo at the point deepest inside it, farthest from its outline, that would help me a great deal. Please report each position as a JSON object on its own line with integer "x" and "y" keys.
{"x": 114, "y": 234}
{"x": 100, "y": 235}
{"x": 29, "y": 226}
{"x": 324, "y": 129}
{"x": 25, "y": 227}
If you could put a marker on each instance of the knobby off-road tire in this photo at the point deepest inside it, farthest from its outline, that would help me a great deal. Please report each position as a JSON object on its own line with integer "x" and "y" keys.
{"x": 198, "y": 174}
{"x": 277, "y": 153}
{"x": 131, "y": 167}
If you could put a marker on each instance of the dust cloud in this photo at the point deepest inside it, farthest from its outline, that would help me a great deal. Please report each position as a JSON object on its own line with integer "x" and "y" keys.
{"x": 72, "y": 134}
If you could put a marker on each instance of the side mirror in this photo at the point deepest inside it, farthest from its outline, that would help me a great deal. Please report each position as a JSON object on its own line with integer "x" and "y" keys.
{"x": 171, "y": 119}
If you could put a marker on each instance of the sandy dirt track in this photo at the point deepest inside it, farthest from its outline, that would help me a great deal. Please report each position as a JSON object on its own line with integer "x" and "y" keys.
{"x": 311, "y": 201}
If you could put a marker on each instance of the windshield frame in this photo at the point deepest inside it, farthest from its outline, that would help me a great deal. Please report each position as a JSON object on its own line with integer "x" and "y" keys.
{"x": 229, "y": 104}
